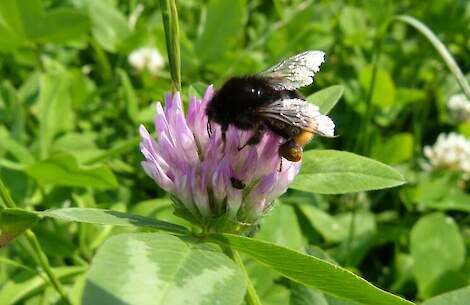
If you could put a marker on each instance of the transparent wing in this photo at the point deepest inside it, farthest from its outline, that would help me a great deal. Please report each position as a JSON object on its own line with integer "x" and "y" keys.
{"x": 299, "y": 113}
{"x": 296, "y": 71}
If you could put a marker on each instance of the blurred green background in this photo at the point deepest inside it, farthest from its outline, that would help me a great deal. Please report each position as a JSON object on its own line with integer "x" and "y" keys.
{"x": 73, "y": 91}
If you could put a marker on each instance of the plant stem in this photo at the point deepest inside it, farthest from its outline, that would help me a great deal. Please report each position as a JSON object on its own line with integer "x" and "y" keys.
{"x": 363, "y": 143}
{"x": 351, "y": 231}
{"x": 44, "y": 262}
{"x": 6, "y": 198}
{"x": 37, "y": 254}
{"x": 251, "y": 296}
{"x": 171, "y": 26}
{"x": 37, "y": 53}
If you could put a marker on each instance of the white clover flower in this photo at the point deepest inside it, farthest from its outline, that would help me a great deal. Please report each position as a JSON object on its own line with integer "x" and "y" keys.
{"x": 146, "y": 59}
{"x": 459, "y": 107}
{"x": 451, "y": 151}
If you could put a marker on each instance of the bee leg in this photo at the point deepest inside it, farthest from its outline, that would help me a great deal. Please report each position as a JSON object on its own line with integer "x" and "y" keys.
{"x": 280, "y": 165}
{"x": 209, "y": 128}
{"x": 255, "y": 138}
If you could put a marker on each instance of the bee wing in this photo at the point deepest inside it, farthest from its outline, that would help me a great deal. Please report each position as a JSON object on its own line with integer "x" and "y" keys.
{"x": 296, "y": 71}
{"x": 299, "y": 113}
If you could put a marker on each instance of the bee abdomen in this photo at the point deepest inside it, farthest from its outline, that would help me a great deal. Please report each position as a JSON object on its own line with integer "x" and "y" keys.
{"x": 303, "y": 137}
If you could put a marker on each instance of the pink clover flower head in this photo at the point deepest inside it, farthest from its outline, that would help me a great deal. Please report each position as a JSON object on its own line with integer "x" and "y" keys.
{"x": 212, "y": 183}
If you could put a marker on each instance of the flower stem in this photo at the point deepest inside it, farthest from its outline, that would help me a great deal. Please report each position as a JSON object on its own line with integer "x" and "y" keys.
{"x": 171, "y": 26}
{"x": 37, "y": 254}
{"x": 251, "y": 296}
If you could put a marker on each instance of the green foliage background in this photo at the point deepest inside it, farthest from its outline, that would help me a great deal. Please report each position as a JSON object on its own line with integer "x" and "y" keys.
{"x": 70, "y": 106}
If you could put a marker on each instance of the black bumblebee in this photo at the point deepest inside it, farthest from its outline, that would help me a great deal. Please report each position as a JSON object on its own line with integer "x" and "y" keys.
{"x": 269, "y": 101}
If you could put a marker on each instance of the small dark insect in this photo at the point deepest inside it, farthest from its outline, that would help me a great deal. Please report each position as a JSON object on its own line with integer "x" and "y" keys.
{"x": 236, "y": 183}
{"x": 269, "y": 101}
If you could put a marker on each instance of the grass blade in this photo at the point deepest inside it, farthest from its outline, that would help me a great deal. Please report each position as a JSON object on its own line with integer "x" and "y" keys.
{"x": 440, "y": 48}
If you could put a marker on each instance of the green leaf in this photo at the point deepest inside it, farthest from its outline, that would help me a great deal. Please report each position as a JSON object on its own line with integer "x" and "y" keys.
{"x": 339, "y": 172}
{"x": 327, "y": 98}
{"x": 464, "y": 129}
{"x": 79, "y": 144}
{"x": 329, "y": 227}
{"x": 384, "y": 91}
{"x": 22, "y": 285}
{"x": 439, "y": 192}
{"x": 397, "y": 149}
{"x": 129, "y": 96}
{"x": 64, "y": 170}
{"x": 311, "y": 271}
{"x": 352, "y": 23}
{"x": 162, "y": 269}
{"x": 435, "y": 236}
{"x": 336, "y": 229}
{"x": 456, "y": 297}
{"x": 9, "y": 40}
{"x": 13, "y": 222}
{"x": 54, "y": 108}
{"x": 26, "y": 19}
{"x": 289, "y": 236}
{"x": 222, "y": 28}
{"x": 110, "y": 217}
{"x": 20, "y": 152}
{"x": 301, "y": 295}
{"x": 22, "y": 16}
{"x": 109, "y": 25}
{"x": 62, "y": 25}
{"x": 365, "y": 230}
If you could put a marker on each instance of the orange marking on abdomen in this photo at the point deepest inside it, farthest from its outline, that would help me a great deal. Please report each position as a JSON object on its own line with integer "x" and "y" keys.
{"x": 303, "y": 138}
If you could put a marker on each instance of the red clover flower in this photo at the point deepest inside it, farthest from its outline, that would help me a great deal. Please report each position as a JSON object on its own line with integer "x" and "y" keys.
{"x": 201, "y": 172}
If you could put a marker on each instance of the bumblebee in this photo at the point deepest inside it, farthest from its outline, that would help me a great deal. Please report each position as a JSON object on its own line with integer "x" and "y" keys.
{"x": 270, "y": 101}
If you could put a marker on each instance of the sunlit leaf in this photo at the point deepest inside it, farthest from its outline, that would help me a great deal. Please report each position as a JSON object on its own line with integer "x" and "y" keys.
{"x": 110, "y": 217}
{"x": 339, "y": 172}
{"x": 311, "y": 271}
{"x": 162, "y": 269}
{"x": 327, "y": 98}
